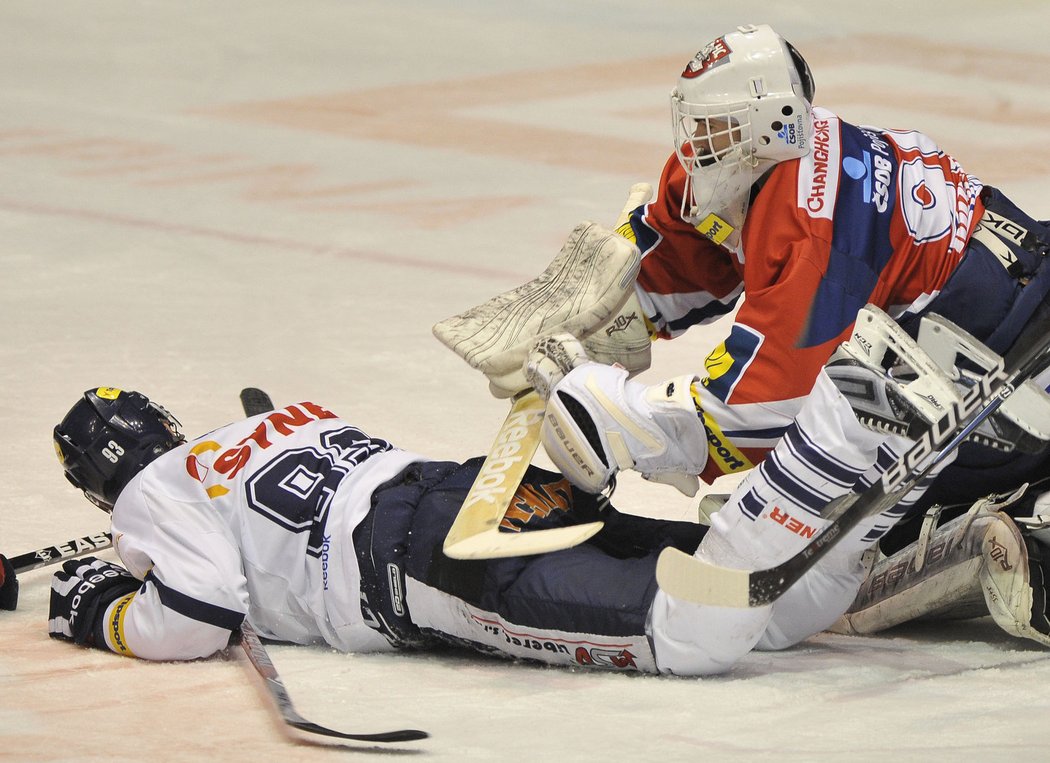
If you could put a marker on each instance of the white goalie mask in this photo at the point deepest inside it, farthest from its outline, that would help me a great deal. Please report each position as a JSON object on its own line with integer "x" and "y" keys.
{"x": 742, "y": 104}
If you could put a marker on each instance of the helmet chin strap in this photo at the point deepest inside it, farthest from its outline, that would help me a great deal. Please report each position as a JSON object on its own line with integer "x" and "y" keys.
{"x": 722, "y": 219}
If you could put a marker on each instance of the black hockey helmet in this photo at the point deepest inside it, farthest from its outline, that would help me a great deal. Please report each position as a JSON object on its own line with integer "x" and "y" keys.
{"x": 108, "y": 437}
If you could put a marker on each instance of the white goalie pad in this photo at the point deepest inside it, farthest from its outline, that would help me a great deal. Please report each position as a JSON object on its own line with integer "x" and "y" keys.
{"x": 584, "y": 287}
{"x": 1014, "y": 582}
{"x": 896, "y": 383}
{"x": 936, "y": 577}
{"x": 889, "y": 377}
{"x": 976, "y": 565}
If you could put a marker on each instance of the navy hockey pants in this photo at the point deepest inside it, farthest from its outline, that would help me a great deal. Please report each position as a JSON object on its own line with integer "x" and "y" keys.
{"x": 604, "y": 586}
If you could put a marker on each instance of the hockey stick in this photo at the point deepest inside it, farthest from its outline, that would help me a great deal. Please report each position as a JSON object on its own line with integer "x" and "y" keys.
{"x": 42, "y": 557}
{"x": 253, "y": 648}
{"x": 71, "y": 549}
{"x": 475, "y": 533}
{"x": 686, "y": 577}
{"x": 255, "y": 402}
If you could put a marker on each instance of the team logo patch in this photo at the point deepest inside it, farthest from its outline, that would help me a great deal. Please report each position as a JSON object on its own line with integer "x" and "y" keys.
{"x": 712, "y": 55}
{"x": 536, "y": 502}
{"x": 715, "y": 228}
{"x": 720, "y": 448}
{"x": 818, "y": 172}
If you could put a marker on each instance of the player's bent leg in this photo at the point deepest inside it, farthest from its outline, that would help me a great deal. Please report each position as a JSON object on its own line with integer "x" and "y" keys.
{"x": 820, "y": 597}
{"x": 773, "y": 514}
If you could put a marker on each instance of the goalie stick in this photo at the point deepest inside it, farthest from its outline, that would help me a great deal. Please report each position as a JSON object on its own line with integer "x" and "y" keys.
{"x": 475, "y": 533}
{"x": 685, "y": 577}
{"x": 255, "y": 401}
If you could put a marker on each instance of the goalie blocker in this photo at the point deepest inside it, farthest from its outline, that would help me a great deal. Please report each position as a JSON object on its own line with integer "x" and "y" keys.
{"x": 981, "y": 563}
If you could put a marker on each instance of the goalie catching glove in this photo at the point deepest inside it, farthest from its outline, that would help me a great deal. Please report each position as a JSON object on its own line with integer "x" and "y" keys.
{"x": 587, "y": 291}
{"x": 81, "y": 595}
{"x": 598, "y": 422}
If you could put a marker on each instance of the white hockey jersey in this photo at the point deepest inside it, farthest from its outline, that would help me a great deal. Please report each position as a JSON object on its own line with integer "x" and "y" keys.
{"x": 251, "y": 519}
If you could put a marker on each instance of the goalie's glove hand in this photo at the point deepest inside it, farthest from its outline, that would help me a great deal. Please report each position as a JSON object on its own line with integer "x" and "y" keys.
{"x": 550, "y": 359}
{"x": 8, "y": 584}
{"x": 80, "y": 595}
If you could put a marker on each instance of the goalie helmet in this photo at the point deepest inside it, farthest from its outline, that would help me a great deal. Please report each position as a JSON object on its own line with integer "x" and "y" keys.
{"x": 108, "y": 437}
{"x": 743, "y": 104}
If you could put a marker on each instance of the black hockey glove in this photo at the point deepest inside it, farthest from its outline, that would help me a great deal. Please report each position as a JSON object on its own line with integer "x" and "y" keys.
{"x": 80, "y": 594}
{"x": 8, "y": 584}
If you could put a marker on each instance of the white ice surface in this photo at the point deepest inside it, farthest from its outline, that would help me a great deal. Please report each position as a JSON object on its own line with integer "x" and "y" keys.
{"x": 198, "y": 196}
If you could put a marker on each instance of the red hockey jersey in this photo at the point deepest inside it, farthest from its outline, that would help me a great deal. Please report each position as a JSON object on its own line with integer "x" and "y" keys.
{"x": 870, "y": 216}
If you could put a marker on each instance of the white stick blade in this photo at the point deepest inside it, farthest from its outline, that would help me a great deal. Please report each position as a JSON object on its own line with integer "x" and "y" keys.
{"x": 494, "y": 544}
{"x": 686, "y": 577}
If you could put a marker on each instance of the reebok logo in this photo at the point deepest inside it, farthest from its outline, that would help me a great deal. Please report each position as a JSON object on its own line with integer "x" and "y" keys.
{"x": 503, "y": 456}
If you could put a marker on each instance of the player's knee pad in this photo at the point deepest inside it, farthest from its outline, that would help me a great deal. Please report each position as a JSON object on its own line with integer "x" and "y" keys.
{"x": 598, "y": 422}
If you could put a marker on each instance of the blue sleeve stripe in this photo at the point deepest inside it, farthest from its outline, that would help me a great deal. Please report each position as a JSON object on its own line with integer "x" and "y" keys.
{"x": 818, "y": 459}
{"x": 708, "y": 312}
{"x": 195, "y": 609}
{"x": 806, "y": 497}
{"x": 770, "y": 433}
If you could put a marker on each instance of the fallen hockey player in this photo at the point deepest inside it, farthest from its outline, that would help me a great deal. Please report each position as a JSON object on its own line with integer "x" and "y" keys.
{"x": 815, "y": 218}
{"x": 320, "y": 533}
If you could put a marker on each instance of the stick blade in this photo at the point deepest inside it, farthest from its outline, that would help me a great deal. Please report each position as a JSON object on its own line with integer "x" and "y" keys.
{"x": 401, "y": 735}
{"x": 255, "y": 401}
{"x": 493, "y": 544}
{"x": 487, "y": 500}
{"x": 686, "y": 577}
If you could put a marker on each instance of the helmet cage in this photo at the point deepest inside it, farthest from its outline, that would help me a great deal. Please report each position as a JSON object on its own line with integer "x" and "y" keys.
{"x": 742, "y": 105}
{"x": 715, "y": 147}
